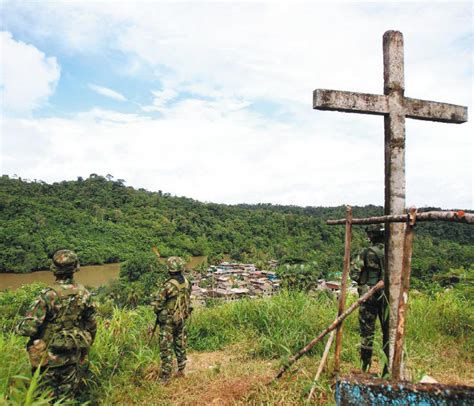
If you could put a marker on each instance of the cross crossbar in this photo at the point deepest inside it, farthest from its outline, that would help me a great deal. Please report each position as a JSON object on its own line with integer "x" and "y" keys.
{"x": 434, "y": 111}
{"x": 350, "y": 102}
{"x": 377, "y": 104}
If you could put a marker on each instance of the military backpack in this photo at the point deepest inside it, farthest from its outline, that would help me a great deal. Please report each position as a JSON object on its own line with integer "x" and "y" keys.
{"x": 64, "y": 331}
{"x": 372, "y": 270}
{"x": 179, "y": 307}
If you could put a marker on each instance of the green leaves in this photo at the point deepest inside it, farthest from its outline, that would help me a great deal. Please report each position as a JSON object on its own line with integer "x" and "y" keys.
{"x": 300, "y": 277}
{"x": 105, "y": 221}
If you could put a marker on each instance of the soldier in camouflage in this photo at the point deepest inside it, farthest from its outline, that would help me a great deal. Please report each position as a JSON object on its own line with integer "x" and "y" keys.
{"x": 173, "y": 307}
{"x": 61, "y": 328}
{"x": 367, "y": 269}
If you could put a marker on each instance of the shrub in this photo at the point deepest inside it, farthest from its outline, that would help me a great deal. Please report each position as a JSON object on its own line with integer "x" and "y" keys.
{"x": 140, "y": 277}
{"x": 140, "y": 265}
{"x": 300, "y": 277}
{"x": 14, "y": 304}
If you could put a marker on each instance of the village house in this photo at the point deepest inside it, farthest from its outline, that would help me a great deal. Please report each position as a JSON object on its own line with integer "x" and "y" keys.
{"x": 232, "y": 281}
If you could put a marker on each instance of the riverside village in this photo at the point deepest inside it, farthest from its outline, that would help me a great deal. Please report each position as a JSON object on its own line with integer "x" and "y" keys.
{"x": 231, "y": 281}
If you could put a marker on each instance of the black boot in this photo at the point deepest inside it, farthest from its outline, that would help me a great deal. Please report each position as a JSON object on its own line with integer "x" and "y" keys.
{"x": 366, "y": 358}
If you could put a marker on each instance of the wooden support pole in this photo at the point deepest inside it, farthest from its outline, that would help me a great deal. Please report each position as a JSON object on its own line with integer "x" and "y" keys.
{"x": 402, "y": 303}
{"x": 455, "y": 216}
{"x": 321, "y": 365}
{"x": 332, "y": 327}
{"x": 342, "y": 294}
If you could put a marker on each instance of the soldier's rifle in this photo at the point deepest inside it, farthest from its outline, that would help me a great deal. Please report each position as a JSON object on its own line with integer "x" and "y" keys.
{"x": 152, "y": 333}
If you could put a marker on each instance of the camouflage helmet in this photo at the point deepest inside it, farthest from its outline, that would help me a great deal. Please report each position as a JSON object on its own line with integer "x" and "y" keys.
{"x": 175, "y": 264}
{"x": 64, "y": 262}
{"x": 375, "y": 231}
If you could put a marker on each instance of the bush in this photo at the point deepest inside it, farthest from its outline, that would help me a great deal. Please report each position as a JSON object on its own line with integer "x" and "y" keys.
{"x": 139, "y": 265}
{"x": 140, "y": 278}
{"x": 299, "y": 277}
{"x": 14, "y": 304}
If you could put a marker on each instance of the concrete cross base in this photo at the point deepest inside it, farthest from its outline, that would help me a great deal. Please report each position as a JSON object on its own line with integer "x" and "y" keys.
{"x": 363, "y": 390}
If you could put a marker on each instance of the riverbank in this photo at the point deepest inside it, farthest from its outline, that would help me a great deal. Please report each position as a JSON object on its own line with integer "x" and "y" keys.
{"x": 90, "y": 275}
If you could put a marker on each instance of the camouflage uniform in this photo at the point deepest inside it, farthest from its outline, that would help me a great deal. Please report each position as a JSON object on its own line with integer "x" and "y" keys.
{"x": 367, "y": 269}
{"x": 61, "y": 327}
{"x": 172, "y": 308}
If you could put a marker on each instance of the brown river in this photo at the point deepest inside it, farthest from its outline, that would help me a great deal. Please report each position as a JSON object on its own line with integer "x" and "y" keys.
{"x": 91, "y": 275}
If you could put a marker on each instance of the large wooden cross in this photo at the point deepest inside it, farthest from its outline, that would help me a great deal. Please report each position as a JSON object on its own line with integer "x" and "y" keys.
{"x": 394, "y": 106}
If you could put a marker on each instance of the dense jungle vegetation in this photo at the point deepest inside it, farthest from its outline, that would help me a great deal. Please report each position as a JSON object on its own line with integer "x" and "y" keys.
{"x": 105, "y": 221}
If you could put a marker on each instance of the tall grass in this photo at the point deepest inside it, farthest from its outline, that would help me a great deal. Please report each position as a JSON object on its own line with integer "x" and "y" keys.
{"x": 440, "y": 334}
{"x": 274, "y": 327}
{"x": 268, "y": 328}
{"x": 17, "y": 386}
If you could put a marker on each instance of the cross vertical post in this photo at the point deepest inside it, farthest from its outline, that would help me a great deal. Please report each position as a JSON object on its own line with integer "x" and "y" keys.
{"x": 394, "y": 89}
{"x": 397, "y": 366}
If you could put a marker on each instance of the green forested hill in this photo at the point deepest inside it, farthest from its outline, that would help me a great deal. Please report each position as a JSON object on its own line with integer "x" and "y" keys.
{"x": 106, "y": 221}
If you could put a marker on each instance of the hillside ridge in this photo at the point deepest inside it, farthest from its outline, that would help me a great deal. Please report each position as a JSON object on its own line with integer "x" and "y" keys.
{"x": 106, "y": 221}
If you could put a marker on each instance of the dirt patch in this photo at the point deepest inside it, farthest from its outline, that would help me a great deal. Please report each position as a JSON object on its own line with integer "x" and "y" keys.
{"x": 217, "y": 378}
{"x": 227, "y": 392}
{"x": 152, "y": 372}
{"x": 201, "y": 361}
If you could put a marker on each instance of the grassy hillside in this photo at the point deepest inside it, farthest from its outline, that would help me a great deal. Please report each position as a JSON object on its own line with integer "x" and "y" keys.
{"x": 236, "y": 348}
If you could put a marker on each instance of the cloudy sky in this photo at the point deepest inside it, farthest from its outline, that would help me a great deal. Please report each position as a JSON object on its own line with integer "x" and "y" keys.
{"x": 214, "y": 100}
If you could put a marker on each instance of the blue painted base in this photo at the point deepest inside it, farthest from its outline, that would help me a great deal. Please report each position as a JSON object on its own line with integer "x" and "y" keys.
{"x": 362, "y": 390}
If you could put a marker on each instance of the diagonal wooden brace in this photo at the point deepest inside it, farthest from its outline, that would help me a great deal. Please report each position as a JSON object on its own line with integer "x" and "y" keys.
{"x": 333, "y": 326}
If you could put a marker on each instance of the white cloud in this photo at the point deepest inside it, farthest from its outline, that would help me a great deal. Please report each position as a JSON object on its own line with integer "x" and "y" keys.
{"x": 105, "y": 91}
{"x": 280, "y": 51}
{"x": 161, "y": 99}
{"x": 108, "y": 116}
{"x": 236, "y": 121}
{"x": 212, "y": 153}
{"x": 27, "y": 76}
